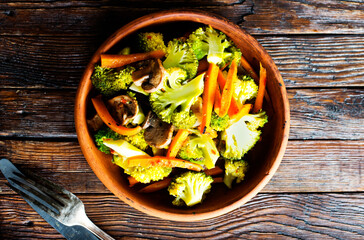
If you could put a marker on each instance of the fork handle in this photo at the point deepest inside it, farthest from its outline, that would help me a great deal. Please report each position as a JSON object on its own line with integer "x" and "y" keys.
{"x": 89, "y": 225}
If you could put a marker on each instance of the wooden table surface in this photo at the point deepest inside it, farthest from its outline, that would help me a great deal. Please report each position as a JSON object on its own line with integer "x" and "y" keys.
{"x": 318, "y": 45}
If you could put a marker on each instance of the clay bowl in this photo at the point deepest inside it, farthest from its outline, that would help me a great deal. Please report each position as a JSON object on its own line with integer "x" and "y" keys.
{"x": 264, "y": 158}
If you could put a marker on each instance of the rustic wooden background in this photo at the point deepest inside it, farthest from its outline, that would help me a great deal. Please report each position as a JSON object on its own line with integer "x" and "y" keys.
{"x": 318, "y": 45}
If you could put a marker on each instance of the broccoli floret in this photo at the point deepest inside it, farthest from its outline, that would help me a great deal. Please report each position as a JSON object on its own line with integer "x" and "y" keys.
{"x": 200, "y": 149}
{"x": 125, "y": 150}
{"x": 235, "y": 54}
{"x": 173, "y": 102}
{"x": 108, "y": 81}
{"x": 245, "y": 89}
{"x": 219, "y": 123}
{"x": 255, "y": 121}
{"x": 199, "y": 46}
{"x": 190, "y": 188}
{"x": 105, "y": 133}
{"x": 151, "y": 41}
{"x": 234, "y": 169}
{"x": 137, "y": 140}
{"x": 241, "y": 136}
{"x": 214, "y": 44}
{"x": 180, "y": 54}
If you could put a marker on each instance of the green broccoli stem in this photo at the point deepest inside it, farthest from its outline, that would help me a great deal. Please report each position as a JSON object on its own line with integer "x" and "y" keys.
{"x": 228, "y": 180}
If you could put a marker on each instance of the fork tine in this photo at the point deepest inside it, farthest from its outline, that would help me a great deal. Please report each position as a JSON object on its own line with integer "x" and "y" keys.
{"x": 35, "y": 201}
{"x": 33, "y": 194}
{"x": 57, "y": 192}
{"x": 37, "y": 189}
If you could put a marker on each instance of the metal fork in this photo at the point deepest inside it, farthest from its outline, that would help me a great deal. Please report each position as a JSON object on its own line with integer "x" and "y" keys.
{"x": 53, "y": 199}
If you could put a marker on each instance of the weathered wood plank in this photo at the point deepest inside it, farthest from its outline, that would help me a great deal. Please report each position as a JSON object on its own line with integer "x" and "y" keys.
{"x": 37, "y": 113}
{"x": 301, "y": 216}
{"x": 44, "y": 62}
{"x": 326, "y": 113}
{"x": 312, "y": 16}
{"x": 310, "y": 61}
{"x": 58, "y": 62}
{"x": 95, "y": 19}
{"x": 320, "y": 166}
{"x": 315, "y": 113}
{"x": 64, "y": 163}
{"x": 258, "y": 17}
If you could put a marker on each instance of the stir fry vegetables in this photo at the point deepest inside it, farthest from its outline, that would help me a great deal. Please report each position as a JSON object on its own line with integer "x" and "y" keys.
{"x": 178, "y": 116}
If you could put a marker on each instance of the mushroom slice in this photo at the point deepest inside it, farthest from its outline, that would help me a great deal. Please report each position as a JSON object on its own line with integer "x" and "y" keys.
{"x": 95, "y": 123}
{"x": 157, "y": 133}
{"x": 150, "y": 76}
{"x": 142, "y": 74}
{"x": 123, "y": 108}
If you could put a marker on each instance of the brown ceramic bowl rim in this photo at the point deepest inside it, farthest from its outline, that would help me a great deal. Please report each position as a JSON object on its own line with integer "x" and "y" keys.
{"x": 85, "y": 86}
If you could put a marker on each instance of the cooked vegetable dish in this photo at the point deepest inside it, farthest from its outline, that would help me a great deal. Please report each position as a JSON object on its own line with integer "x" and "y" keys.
{"x": 178, "y": 115}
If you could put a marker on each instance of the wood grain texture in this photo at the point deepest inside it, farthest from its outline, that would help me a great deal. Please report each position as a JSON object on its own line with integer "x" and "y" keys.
{"x": 44, "y": 62}
{"x": 94, "y": 18}
{"x": 58, "y": 62}
{"x": 267, "y": 216}
{"x": 315, "y": 113}
{"x": 258, "y": 17}
{"x": 311, "y": 61}
{"x": 37, "y": 113}
{"x": 307, "y": 16}
{"x": 327, "y": 113}
{"x": 64, "y": 163}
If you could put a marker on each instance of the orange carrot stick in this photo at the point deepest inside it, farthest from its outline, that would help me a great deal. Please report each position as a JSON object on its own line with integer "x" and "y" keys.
{"x": 243, "y": 111}
{"x": 146, "y": 161}
{"x": 262, "y": 82}
{"x": 250, "y": 70}
{"x": 208, "y": 96}
{"x": 177, "y": 142}
{"x": 132, "y": 181}
{"x": 228, "y": 90}
{"x": 213, "y": 171}
{"x": 109, "y": 120}
{"x": 114, "y": 61}
{"x": 245, "y": 64}
{"x": 234, "y": 105}
{"x": 156, "y": 186}
{"x": 217, "y": 102}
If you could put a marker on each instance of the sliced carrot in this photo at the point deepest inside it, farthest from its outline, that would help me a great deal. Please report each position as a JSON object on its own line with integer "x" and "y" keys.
{"x": 213, "y": 171}
{"x": 132, "y": 181}
{"x": 245, "y": 64}
{"x": 177, "y": 142}
{"x": 156, "y": 186}
{"x": 146, "y": 161}
{"x": 261, "y": 90}
{"x": 217, "y": 102}
{"x": 243, "y": 111}
{"x": 116, "y": 60}
{"x": 208, "y": 96}
{"x": 109, "y": 120}
{"x": 234, "y": 105}
{"x": 203, "y": 65}
{"x": 228, "y": 90}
